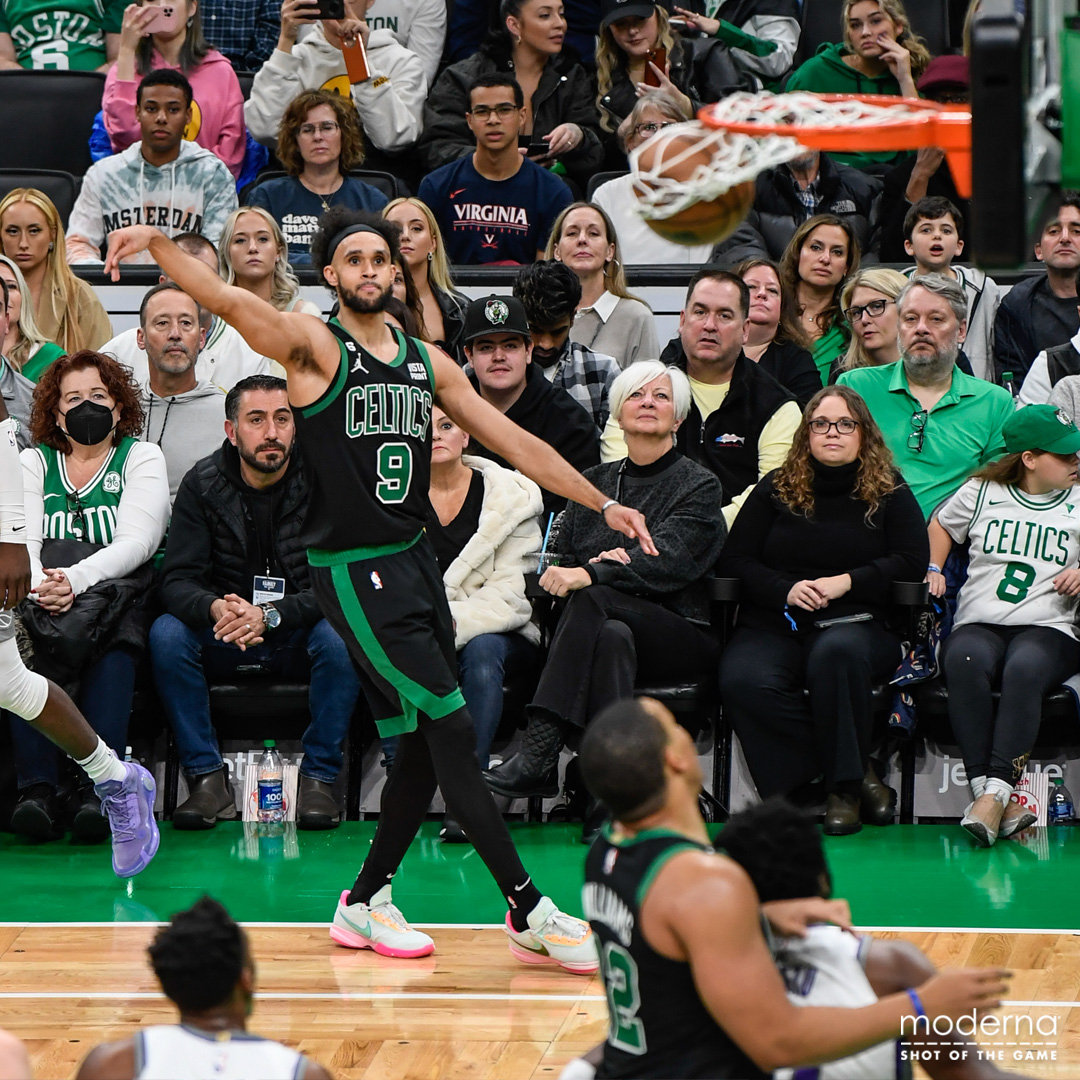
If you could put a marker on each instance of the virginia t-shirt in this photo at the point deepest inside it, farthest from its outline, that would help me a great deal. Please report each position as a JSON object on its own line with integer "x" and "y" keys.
{"x": 298, "y": 210}
{"x": 494, "y": 221}
{"x": 68, "y": 35}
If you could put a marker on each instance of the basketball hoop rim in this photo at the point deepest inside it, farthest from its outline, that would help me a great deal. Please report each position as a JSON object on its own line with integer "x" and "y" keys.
{"x": 934, "y": 124}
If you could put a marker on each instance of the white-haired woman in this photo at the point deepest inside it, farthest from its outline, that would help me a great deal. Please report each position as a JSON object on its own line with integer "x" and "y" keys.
{"x": 629, "y": 615}
{"x": 255, "y": 257}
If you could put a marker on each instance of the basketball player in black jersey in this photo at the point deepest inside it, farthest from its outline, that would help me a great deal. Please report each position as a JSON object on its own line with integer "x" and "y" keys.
{"x": 362, "y": 395}
{"x": 692, "y": 988}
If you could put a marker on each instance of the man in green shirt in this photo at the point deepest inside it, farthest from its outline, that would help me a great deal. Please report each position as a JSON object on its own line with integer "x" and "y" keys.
{"x": 72, "y": 35}
{"x": 940, "y": 424}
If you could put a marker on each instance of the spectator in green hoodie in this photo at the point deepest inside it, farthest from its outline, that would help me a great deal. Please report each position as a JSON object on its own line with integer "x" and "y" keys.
{"x": 879, "y": 54}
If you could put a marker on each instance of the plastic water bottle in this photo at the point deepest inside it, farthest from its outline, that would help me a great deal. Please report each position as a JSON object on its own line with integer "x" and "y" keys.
{"x": 271, "y": 789}
{"x": 1059, "y": 809}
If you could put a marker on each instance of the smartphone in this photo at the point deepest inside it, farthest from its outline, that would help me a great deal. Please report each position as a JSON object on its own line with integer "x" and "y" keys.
{"x": 166, "y": 19}
{"x": 659, "y": 58}
{"x": 534, "y": 147}
{"x": 329, "y": 9}
{"x": 824, "y": 624}
{"x": 356, "y": 62}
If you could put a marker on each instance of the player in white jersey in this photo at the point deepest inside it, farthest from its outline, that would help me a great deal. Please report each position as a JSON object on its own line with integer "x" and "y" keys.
{"x": 126, "y": 790}
{"x": 1015, "y": 622}
{"x": 204, "y": 964}
{"x": 780, "y": 848}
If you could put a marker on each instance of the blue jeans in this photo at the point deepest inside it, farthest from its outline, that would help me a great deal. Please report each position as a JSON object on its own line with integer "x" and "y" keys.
{"x": 183, "y": 659}
{"x": 483, "y": 664}
{"x": 105, "y": 692}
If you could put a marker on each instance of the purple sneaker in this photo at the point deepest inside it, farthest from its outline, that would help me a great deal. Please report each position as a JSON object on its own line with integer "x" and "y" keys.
{"x": 129, "y": 806}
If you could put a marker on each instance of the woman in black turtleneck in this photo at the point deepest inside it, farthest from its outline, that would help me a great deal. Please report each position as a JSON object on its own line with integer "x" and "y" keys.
{"x": 821, "y": 538}
{"x": 628, "y": 613}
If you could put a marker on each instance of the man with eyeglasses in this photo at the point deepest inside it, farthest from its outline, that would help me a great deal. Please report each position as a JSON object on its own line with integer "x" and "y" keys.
{"x": 495, "y": 205}
{"x": 940, "y": 423}
{"x": 637, "y": 242}
{"x": 788, "y": 195}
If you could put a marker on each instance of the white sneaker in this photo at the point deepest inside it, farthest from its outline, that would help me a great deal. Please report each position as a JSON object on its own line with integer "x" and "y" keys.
{"x": 554, "y": 937}
{"x": 379, "y": 926}
{"x": 1016, "y": 819}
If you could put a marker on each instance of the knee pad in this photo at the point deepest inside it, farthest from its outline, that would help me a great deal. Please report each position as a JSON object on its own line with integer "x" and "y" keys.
{"x": 22, "y": 691}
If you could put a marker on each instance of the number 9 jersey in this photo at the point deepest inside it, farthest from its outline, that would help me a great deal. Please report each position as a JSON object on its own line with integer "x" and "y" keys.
{"x": 1019, "y": 544}
{"x": 367, "y": 444}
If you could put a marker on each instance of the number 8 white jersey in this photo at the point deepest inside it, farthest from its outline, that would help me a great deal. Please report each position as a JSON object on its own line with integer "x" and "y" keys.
{"x": 1019, "y": 544}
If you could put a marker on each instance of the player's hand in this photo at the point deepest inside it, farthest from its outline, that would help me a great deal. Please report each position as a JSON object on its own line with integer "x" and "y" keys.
{"x": 14, "y": 574}
{"x": 630, "y": 523}
{"x": 806, "y": 595}
{"x": 126, "y": 242}
{"x": 1067, "y": 583}
{"x": 618, "y": 555}
{"x": 699, "y": 22}
{"x": 790, "y": 918}
{"x": 958, "y": 991}
{"x": 241, "y": 623}
{"x": 563, "y": 580}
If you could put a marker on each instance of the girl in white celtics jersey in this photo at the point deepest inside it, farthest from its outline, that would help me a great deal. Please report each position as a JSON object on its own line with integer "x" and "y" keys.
{"x": 88, "y": 478}
{"x": 1015, "y": 625}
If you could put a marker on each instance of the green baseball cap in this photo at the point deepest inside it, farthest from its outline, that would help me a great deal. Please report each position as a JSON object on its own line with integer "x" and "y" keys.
{"x": 1041, "y": 427}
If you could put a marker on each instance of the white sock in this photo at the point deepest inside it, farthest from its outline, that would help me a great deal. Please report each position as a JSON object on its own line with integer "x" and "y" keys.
{"x": 978, "y": 786}
{"x": 102, "y": 764}
{"x": 1000, "y": 789}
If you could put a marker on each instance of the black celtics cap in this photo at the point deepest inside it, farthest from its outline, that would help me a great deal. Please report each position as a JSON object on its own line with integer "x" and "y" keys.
{"x": 495, "y": 315}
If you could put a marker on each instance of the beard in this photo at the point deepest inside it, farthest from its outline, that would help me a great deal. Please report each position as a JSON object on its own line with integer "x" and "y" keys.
{"x": 353, "y": 301}
{"x": 261, "y": 465}
{"x": 174, "y": 363}
{"x": 923, "y": 369}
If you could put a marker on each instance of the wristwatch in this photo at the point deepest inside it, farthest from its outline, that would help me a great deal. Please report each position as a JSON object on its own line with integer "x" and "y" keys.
{"x": 271, "y": 616}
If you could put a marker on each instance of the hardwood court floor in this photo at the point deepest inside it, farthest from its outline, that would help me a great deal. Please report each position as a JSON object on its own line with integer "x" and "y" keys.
{"x": 468, "y": 1011}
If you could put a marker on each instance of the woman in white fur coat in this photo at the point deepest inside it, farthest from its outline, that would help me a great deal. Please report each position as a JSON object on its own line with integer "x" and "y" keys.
{"x": 484, "y": 522}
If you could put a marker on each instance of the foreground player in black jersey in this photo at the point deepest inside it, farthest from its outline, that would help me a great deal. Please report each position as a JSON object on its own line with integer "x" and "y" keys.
{"x": 692, "y": 988}
{"x": 362, "y": 395}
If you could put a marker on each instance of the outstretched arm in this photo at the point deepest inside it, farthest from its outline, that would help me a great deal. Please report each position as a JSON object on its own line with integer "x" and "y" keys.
{"x": 300, "y": 343}
{"x": 528, "y": 454}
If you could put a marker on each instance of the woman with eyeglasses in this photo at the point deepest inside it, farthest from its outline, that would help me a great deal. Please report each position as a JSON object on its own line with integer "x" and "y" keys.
{"x": 1015, "y": 627}
{"x": 868, "y": 301}
{"x": 319, "y": 142}
{"x": 823, "y": 251}
{"x": 97, "y": 505}
{"x": 817, "y": 546}
{"x": 609, "y": 320}
{"x": 640, "y": 245}
{"x": 561, "y": 125}
{"x": 775, "y": 341}
{"x": 627, "y": 615}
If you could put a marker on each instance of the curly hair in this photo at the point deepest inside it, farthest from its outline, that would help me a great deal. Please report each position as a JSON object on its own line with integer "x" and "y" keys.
{"x": 548, "y": 291}
{"x": 788, "y": 328}
{"x": 920, "y": 54}
{"x": 609, "y": 58}
{"x": 199, "y": 957}
{"x": 789, "y": 269}
{"x": 352, "y": 137}
{"x": 118, "y": 381}
{"x": 341, "y": 217}
{"x": 877, "y": 475}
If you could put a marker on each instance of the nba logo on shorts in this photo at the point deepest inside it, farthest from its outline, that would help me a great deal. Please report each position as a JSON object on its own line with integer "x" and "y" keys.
{"x": 375, "y": 579}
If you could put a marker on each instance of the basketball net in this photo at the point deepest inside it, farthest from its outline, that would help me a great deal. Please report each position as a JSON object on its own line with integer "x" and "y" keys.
{"x": 723, "y": 161}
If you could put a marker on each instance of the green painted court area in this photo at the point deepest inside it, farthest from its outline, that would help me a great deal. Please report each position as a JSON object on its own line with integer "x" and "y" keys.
{"x": 905, "y": 875}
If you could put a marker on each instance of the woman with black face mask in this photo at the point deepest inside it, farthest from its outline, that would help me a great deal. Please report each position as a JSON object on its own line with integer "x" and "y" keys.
{"x": 97, "y": 506}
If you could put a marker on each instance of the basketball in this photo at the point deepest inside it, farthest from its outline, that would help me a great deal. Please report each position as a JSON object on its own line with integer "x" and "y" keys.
{"x": 676, "y": 157}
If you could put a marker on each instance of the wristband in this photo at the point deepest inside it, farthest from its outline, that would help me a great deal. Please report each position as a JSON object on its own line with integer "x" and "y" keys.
{"x": 920, "y": 1012}
{"x": 933, "y": 568}
{"x": 610, "y": 502}
{"x": 12, "y": 507}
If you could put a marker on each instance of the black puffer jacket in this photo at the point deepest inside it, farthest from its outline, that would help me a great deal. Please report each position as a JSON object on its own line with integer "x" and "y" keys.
{"x": 566, "y": 95}
{"x": 777, "y": 212}
{"x": 211, "y": 548}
